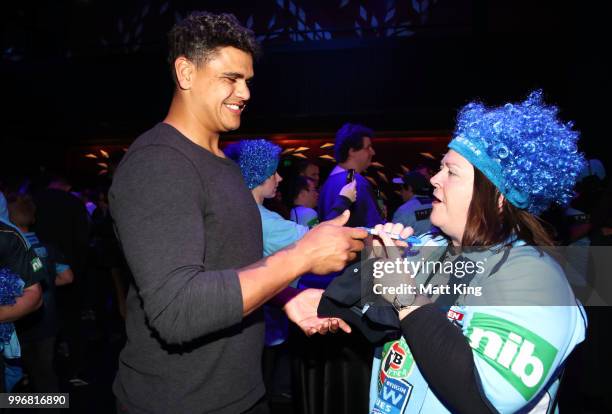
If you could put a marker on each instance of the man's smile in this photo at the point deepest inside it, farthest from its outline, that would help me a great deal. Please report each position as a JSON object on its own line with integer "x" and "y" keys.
{"x": 236, "y": 108}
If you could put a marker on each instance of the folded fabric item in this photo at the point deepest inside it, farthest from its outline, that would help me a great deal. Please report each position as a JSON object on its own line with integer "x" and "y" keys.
{"x": 350, "y": 297}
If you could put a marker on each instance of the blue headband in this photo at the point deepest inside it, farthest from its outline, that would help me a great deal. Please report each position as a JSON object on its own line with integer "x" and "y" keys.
{"x": 526, "y": 152}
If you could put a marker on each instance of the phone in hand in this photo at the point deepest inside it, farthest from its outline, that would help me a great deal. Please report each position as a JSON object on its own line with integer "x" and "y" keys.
{"x": 350, "y": 175}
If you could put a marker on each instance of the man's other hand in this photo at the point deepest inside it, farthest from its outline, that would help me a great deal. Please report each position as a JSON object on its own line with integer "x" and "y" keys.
{"x": 302, "y": 310}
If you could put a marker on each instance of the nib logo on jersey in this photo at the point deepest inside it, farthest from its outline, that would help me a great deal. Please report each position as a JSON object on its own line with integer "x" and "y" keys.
{"x": 520, "y": 356}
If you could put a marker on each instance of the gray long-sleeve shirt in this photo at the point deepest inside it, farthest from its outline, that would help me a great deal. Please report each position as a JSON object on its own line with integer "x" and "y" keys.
{"x": 186, "y": 221}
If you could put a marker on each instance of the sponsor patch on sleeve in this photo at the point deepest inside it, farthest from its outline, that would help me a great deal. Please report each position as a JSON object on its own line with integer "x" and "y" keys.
{"x": 36, "y": 264}
{"x": 519, "y": 355}
{"x": 397, "y": 360}
{"x": 393, "y": 397}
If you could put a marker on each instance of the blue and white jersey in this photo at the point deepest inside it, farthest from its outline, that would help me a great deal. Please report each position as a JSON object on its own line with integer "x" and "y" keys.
{"x": 518, "y": 350}
{"x": 41, "y": 251}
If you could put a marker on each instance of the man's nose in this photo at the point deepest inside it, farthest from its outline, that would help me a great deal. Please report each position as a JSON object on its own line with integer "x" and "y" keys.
{"x": 243, "y": 92}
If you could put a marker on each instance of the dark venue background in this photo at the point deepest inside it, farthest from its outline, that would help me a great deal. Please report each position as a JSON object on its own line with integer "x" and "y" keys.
{"x": 83, "y": 73}
{"x": 80, "y": 76}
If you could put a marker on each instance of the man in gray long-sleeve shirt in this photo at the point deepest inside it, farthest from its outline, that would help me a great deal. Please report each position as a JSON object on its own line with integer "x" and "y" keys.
{"x": 191, "y": 234}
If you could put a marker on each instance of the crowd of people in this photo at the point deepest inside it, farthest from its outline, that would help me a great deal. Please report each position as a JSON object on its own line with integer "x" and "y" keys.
{"x": 66, "y": 238}
{"x": 226, "y": 284}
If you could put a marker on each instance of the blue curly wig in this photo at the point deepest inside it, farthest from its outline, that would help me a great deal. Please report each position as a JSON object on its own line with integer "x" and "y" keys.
{"x": 258, "y": 160}
{"x": 523, "y": 148}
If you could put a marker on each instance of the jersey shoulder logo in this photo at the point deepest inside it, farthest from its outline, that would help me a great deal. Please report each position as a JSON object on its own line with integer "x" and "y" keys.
{"x": 36, "y": 264}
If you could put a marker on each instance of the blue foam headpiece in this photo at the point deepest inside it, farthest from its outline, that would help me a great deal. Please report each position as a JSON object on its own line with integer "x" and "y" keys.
{"x": 524, "y": 149}
{"x": 257, "y": 159}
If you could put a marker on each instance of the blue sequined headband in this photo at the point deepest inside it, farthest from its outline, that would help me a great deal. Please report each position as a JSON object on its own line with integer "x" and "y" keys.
{"x": 257, "y": 159}
{"x": 526, "y": 152}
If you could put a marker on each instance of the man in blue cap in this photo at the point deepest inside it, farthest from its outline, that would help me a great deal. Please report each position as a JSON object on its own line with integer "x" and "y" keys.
{"x": 415, "y": 212}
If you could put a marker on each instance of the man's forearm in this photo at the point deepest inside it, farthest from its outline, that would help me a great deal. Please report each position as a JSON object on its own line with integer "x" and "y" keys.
{"x": 268, "y": 277}
{"x": 326, "y": 248}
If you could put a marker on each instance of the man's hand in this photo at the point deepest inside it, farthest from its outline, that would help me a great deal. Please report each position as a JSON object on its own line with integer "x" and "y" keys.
{"x": 302, "y": 310}
{"x": 328, "y": 247}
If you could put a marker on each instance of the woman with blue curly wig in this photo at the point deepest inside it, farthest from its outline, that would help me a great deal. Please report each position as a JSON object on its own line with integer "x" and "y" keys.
{"x": 490, "y": 328}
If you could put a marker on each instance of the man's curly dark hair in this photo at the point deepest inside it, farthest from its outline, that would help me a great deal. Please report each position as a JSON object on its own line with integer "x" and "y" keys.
{"x": 201, "y": 34}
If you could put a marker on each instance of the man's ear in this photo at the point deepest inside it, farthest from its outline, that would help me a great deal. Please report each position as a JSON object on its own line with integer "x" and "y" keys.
{"x": 185, "y": 71}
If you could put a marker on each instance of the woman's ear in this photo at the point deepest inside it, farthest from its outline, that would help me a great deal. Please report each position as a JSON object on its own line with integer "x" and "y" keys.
{"x": 500, "y": 202}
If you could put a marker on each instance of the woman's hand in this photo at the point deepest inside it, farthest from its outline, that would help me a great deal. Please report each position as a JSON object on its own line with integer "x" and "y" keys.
{"x": 384, "y": 246}
{"x": 391, "y": 250}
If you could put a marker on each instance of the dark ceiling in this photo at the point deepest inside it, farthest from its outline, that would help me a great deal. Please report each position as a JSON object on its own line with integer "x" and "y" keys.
{"x": 77, "y": 71}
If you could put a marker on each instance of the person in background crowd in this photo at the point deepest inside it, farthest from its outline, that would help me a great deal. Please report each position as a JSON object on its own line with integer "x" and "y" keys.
{"x": 20, "y": 275}
{"x": 323, "y": 369}
{"x": 38, "y": 330}
{"x": 62, "y": 221}
{"x": 416, "y": 194}
{"x": 305, "y": 198}
{"x": 309, "y": 169}
{"x": 425, "y": 170}
{"x": 191, "y": 233}
{"x": 258, "y": 161}
{"x": 107, "y": 261}
{"x": 353, "y": 150}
